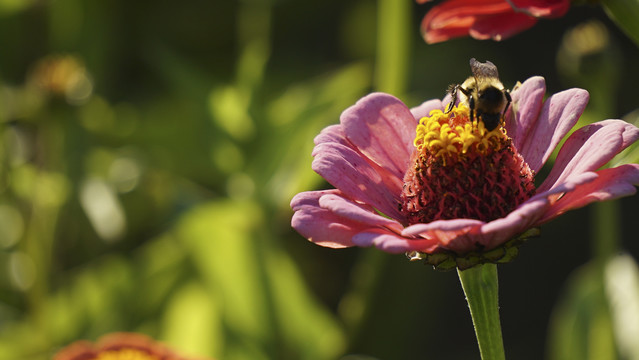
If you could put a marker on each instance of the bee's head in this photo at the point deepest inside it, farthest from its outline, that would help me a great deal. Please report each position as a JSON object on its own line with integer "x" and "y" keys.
{"x": 491, "y": 120}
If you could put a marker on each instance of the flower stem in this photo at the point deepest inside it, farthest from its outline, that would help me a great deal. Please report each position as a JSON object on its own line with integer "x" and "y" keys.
{"x": 393, "y": 46}
{"x": 481, "y": 289}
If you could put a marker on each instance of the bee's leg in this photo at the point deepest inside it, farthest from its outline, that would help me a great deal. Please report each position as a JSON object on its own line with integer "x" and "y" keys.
{"x": 508, "y": 101}
{"x": 471, "y": 105}
{"x": 452, "y": 90}
{"x": 471, "y": 100}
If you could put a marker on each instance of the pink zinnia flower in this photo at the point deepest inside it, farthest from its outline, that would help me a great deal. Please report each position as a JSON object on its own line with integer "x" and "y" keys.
{"x": 456, "y": 188}
{"x": 486, "y": 19}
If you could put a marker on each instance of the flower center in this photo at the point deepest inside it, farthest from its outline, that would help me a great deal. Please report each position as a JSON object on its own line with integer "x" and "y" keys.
{"x": 125, "y": 354}
{"x": 462, "y": 170}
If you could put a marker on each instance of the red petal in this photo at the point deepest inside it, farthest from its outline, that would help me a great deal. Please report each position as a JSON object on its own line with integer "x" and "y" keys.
{"x": 542, "y": 8}
{"x": 500, "y": 26}
{"x": 481, "y": 19}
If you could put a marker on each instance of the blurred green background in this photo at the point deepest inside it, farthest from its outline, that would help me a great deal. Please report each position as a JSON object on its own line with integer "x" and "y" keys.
{"x": 149, "y": 151}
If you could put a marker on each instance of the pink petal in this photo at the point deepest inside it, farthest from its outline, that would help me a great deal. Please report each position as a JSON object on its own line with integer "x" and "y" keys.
{"x": 527, "y": 215}
{"x": 559, "y": 114}
{"x": 524, "y": 217}
{"x": 335, "y": 134}
{"x": 458, "y": 235}
{"x": 391, "y": 242}
{"x": 589, "y": 148}
{"x": 320, "y": 225}
{"x": 568, "y": 185}
{"x": 465, "y": 235}
{"x": 447, "y": 99}
{"x": 610, "y": 184}
{"x": 349, "y": 171}
{"x": 360, "y": 213}
{"x": 332, "y": 134}
{"x": 383, "y": 129}
{"x": 440, "y": 225}
{"x": 425, "y": 108}
{"x": 526, "y": 104}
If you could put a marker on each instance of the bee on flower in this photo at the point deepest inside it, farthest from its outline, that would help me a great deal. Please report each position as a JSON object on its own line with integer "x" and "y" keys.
{"x": 427, "y": 181}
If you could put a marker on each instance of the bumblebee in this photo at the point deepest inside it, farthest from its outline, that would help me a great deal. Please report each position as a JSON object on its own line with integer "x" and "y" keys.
{"x": 483, "y": 93}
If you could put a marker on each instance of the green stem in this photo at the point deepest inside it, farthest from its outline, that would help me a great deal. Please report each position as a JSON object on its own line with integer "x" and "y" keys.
{"x": 481, "y": 289}
{"x": 393, "y": 46}
{"x": 606, "y": 224}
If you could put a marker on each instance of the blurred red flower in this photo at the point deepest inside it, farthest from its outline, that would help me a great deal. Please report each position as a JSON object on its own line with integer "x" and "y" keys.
{"x": 118, "y": 346}
{"x": 486, "y": 19}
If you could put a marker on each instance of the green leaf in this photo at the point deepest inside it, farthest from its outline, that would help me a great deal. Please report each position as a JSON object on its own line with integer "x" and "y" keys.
{"x": 229, "y": 108}
{"x": 581, "y": 327}
{"x": 283, "y": 158}
{"x": 625, "y": 13}
{"x": 621, "y": 276}
{"x": 192, "y": 321}
{"x": 9, "y": 7}
{"x": 219, "y": 238}
{"x": 267, "y": 312}
{"x": 309, "y": 329}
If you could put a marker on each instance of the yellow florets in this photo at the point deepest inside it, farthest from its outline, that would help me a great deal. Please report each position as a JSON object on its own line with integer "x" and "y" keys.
{"x": 443, "y": 134}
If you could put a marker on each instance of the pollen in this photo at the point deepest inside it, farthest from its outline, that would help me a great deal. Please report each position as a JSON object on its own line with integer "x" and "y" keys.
{"x": 444, "y": 134}
{"x": 461, "y": 170}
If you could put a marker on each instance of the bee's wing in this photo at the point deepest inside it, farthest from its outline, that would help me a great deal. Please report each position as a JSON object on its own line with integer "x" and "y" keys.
{"x": 483, "y": 70}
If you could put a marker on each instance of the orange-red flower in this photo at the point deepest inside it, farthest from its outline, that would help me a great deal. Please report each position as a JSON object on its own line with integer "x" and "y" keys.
{"x": 486, "y": 19}
{"x": 118, "y": 346}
